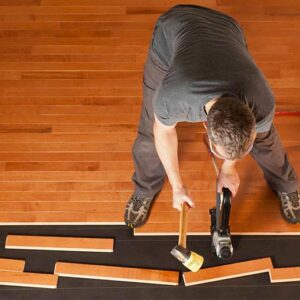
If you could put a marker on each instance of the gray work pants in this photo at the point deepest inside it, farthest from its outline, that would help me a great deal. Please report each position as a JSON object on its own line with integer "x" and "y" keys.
{"x": 149, "y": 174}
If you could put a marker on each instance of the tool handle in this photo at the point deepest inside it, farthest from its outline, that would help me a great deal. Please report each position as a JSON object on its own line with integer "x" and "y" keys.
{"x": 183, "y": 225}
{"x": 215, "y": 163}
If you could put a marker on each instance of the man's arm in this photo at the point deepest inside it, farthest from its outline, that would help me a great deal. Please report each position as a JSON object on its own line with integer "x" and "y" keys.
{"x": 166, "y": 143}
{"x": 228, "y": 177}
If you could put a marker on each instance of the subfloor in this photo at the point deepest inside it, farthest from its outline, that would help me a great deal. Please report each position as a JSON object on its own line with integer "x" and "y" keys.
{"x": 151, "y": 252}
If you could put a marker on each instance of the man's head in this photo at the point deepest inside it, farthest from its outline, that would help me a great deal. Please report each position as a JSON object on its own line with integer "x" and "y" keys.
{"x": 230, "y": 127}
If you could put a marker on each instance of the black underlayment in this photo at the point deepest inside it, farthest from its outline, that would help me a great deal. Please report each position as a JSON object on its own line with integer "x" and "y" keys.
{"x": 151, "y": 252}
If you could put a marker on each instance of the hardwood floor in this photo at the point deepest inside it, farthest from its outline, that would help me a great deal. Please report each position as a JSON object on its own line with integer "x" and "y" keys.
{"x": 70, "y": 99}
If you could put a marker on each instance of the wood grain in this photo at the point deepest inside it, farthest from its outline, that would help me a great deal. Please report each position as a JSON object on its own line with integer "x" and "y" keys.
{"x": 70, "y": 102}
{"x": 228, "y": 271}
{"x": 27, "y": 279}
{"x": 285, "y": 274}
{"x": 7, "y": 264}
{"x": 116, "y": 273}
{"x": 59, "y": 243}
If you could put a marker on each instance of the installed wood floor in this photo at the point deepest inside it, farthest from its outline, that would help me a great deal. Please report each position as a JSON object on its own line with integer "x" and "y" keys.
{"x": 70, "y": 96}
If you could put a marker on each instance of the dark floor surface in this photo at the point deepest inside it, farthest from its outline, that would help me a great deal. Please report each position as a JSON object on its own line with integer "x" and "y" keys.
{"x": 151, "y": 252}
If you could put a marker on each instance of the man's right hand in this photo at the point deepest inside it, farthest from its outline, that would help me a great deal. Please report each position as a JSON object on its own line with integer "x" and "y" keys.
{"x": 181, "y": 195}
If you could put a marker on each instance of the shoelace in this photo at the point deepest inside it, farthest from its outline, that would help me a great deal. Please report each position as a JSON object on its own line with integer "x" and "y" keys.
{"x": 293, "y": 198}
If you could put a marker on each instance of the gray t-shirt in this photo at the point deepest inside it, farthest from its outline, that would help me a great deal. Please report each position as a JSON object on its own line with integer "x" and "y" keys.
{"x": 205, "y": 54}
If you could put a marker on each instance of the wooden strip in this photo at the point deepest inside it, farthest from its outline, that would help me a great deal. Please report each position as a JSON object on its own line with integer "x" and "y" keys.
{"x": 116, "y": 273}
{"x": 285, "y": 274}
{"x": 102, "y": 206}
{"x": 59, "y": 243}
{"x": 67, "y": 100}
{"x": 62, "y": 217}
{"x": 28, "y": 279}
{"x": 228, "y": 271}
{"x": 43, "y": 196}
{"x": 116, "y": 2}
{"x": 233, "y": 2}
{"x": 163, "y": 229}
{"x": 66, "y": 10}
{"x": 7, "y": 264}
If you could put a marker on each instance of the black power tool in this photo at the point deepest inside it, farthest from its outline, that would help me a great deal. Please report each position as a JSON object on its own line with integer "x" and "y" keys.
{"x": 220, "y": 231}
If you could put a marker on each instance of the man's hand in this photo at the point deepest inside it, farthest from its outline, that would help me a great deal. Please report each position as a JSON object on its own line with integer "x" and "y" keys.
{"x": 181, "y": 195}
{"x": 229, "y": 178}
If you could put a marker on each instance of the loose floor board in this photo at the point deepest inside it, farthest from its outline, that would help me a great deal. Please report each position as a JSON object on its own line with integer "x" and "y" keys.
{"x": 242, "y": 269}
{"x": 285, "y": 274}
{"x": 116, "y": 273}
{"x": 228, "y": 271}
{"x": 59, "y": 243}
{"x": 7, "y": 264}
{"x": 28, "y": 279}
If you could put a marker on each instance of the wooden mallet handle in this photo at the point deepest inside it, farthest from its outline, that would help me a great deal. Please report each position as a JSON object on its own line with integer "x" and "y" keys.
{"x": 183, "y": 225}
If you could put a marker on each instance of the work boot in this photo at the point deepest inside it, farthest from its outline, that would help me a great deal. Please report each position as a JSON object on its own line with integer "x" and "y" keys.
{"x": 137, "y": 210}
{"x": 290, "y": 206}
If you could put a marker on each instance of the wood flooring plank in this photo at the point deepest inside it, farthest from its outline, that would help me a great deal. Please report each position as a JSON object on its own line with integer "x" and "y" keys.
{"x": 115, "y": 2}
{"x": 228, "y": 271}
{"x": 60, "y": 218}
{"x": 68, "y": 109}
{"x": 7, "y": 264}
{"x": 116, "y": 273}
{"x": 27, "y": 279}
{"x": 76, "y": 100}
{"x": 31, "y": 196}
{"x": 203, "y": 228}
{"x": 245, "y": 3}
{"x": 19, "y": 2}
{"x": 63, "y": 10}
{"x": 59, "y": 243}
{"x": 288, "y": 274}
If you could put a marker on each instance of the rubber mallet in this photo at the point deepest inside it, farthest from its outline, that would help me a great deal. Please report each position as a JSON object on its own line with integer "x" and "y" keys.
{"x": 189, "y": 259}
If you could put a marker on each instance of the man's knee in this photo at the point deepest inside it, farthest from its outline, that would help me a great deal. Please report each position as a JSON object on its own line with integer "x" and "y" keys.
{"x": 143, "y": 147}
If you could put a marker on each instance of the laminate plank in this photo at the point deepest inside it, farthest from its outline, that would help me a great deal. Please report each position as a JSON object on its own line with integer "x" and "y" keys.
{"x": 159, "y": 229}
{"x": 116, "y": 273}
{"x": 67, "y": 100}
{"x": 60, "y": 218}
{"x": 69, "y": 109}
{"x": 101, "y": 58}
{"x": 7, "y": 264}
{"x": 246, "y": 3}
{"x": 19, "y": 2}
{"x": 67, "y": 186}
{"x": 59, "y": 243}
{"x": 115, "y": 2}
{"x": 69, "y": 66}
{"x": 228, "y": 271}
{"x": 83, "y": 49}
{"x": 12, "y": 26}
{"x": 89, "y": 156}
{"x": 285, "y": 274}
{"x": 62, "y": 10}
{"x": 96, "y": 146}
{"x": 53, "y": 206}
{"x": 27, "y": 279}
{"x": 41, "y": 196}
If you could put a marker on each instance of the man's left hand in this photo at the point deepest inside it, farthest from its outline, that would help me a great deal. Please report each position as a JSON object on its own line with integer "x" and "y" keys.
{"x": 229, "y": 178}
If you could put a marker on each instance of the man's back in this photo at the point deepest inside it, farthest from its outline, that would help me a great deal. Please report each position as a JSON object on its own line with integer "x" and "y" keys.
{"x": 205, "y": 54}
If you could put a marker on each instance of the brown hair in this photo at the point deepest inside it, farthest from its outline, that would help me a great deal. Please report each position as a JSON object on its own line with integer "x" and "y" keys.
{"x": 230, "y": 124}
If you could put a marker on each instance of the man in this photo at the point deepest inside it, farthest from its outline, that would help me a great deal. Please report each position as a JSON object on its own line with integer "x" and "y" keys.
{"x": 199, "y": 69}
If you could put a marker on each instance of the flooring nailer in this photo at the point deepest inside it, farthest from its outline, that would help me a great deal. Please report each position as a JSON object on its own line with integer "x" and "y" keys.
{"x": 219, "y": 215}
